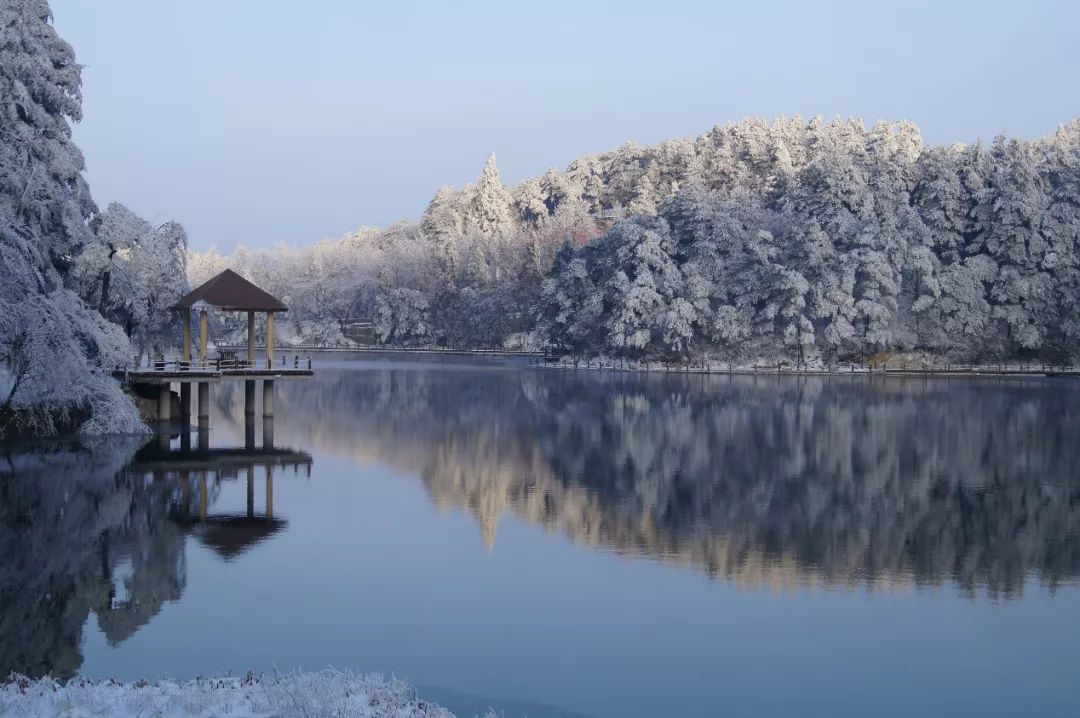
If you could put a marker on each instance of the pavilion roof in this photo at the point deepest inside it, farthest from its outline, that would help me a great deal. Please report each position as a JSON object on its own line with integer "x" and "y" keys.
{"x": 231, "y": 292}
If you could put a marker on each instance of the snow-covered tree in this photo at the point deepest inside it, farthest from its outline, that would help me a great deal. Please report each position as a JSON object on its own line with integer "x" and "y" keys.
{"x": 402, "y": 316}
{"x": 55, "y": 352}
{"x": 444, "y": 216}
{"x": 490, "y": 211}
{"x": 134, "y": 272}
{"x": 41, "y": 183}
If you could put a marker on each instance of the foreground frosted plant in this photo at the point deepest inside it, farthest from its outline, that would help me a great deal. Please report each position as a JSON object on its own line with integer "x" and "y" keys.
{"x": 326, "y": 693}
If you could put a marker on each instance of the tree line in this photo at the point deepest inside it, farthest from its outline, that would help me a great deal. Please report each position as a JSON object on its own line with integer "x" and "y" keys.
{"x": 798, "y": 239}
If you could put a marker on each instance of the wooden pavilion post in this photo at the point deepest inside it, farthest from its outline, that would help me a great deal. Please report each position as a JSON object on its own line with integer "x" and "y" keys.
{"x": 269, "y": 340}
{"x": 203, "y": 331}
{"x": 251, "y": 339}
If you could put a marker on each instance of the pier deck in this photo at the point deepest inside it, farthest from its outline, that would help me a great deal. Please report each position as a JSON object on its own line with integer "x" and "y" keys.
{"x": 179, "y": 371}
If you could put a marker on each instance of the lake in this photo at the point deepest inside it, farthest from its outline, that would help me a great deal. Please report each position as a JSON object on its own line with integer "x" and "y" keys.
{"x": 560, "y": 543}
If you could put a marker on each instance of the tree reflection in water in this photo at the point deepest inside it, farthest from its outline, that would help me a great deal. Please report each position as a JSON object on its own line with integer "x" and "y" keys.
{"x": 761, "y": 480}
{"x": 99, "y": 525}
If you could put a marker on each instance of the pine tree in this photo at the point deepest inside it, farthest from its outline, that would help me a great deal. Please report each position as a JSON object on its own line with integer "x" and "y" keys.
{"x": 41, "y": 184}
{"x": 477, "y": 270}
{"x": 491, "y": 208}
{"x": 443, "y": 216}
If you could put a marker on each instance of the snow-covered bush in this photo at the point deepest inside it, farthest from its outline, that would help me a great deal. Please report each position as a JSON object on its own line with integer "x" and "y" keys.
{"x": 55, "y": 354}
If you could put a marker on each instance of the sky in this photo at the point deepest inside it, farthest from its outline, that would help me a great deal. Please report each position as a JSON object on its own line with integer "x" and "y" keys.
{"x": 256, "y": 121}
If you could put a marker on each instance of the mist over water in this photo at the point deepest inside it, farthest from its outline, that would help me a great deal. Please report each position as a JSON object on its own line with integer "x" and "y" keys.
{"x": 575, "y": 543}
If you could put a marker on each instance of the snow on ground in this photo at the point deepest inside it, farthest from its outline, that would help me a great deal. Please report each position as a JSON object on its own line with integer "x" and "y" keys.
{"x": 300, "y": 695}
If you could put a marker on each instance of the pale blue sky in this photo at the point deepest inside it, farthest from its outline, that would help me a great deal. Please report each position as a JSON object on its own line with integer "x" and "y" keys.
{"x": 255, "y": 121}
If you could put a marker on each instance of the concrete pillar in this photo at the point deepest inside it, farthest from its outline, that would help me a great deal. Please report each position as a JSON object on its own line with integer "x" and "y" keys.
{"x": 249, "y": 397}
{"x": 164, "y": 444}
{"x": 185, "y": 401}
{"x": 268, "y": 399}
{"x": 185, "y": 438}
{"x": 204, "y": 434}
{"x": 204, "y": 403}
{"x": 163, "y": 401}
{"x": 268, "y": 432}
{"x": 269, "y": 490}
{"x": 249, "y": 431}
{"x": 204, "y": 330}
{"x": 269, "y": 339}
{"x": 185, "y": 350}
{"x": 251, "y": 339}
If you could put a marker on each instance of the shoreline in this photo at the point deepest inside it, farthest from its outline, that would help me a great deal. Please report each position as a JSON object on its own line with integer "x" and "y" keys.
{"x": 914, "y": 368}
{"x": 965, "y": 371}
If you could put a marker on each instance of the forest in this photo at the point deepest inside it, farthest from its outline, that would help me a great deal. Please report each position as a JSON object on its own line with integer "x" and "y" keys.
{"x": 791, "y": 240}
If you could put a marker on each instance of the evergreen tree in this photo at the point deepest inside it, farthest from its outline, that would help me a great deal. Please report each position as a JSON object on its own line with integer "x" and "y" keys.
{"x": 491, "y": 207}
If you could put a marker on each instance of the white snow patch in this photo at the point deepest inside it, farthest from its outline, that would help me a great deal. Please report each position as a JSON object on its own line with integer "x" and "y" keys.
{"x": 325, "y": 693}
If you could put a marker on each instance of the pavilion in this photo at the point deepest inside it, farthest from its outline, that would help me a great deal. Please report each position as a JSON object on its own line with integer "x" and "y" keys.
{"x": 229, "y": 292}
{"x": 226, "y": 292}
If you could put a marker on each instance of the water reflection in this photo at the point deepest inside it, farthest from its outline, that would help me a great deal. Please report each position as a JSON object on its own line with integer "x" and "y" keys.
{"x": 99, "y": 526}
{"x": 758, "y": 480}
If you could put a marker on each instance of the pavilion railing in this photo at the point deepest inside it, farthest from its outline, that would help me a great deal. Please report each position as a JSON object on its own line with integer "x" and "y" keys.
{"x": 218, "y": 364}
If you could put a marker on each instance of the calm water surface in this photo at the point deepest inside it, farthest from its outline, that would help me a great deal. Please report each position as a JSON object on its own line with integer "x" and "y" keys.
{"x": 561, "y": 544}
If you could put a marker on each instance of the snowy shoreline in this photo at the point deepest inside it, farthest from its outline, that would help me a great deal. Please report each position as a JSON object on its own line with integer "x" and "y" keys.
{"x": 774, "y": 369}
{"x": 323, "y": 693}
